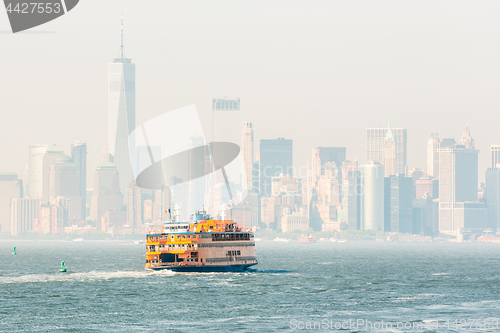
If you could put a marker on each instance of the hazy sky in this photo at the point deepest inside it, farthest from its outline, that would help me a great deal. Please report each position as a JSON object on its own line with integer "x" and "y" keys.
{"x": 317, "y": 72}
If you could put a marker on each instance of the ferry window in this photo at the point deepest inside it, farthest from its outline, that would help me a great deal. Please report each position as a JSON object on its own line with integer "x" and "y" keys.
{"x": 195, "y": 259}
{"x": 238, "y": 253}
{"x": 183, "y": 236}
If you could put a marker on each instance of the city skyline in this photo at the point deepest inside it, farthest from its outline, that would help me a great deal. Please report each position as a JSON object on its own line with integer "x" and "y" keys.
{"x": 288, "y": 196}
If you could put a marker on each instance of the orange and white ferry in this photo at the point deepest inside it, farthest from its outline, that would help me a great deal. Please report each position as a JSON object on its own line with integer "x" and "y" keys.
{"x": 201, "y": 245}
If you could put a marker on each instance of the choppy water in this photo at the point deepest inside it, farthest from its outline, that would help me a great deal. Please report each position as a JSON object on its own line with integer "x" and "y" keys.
{"x": 107, "y": 290}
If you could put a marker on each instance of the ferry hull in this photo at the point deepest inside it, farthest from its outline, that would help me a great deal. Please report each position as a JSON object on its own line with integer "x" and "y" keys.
{"x": 207, "y": 268}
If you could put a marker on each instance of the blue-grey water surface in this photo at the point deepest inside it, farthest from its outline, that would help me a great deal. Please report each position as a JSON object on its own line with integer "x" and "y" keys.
{"x": 106, "y": 289}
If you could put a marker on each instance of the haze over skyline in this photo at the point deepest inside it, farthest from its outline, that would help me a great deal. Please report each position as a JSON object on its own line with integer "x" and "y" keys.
{"x": 318, "y": 73}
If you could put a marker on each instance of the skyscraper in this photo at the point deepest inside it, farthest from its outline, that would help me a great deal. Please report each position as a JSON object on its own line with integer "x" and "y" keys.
{"x": 247, "y": 149}
{"x": 64, "y": 182}
{"x": 389, "y": 153}
{"x": 106, "y": 194}
{"x": 372, "y": 180}
{"x": 276, "y": 156}
{"x": 375, "y": 138}
{"x": 51, "y": 155}
{"x": 398, "y": 204}
{"x": 494, "y": 155}
{"x": 134, "y": 207}
{"x": 458, "y": 179}
{"x": 79, "y": 156}
{"x": 37, "y": 152}
{"x": 10, "y": 188}
{"x": 121, "y": 114}
{"x": 351, "y": 203}
{"x": 24, "y": 211}
{"x": 467, "y": 141}
{"x": 433, "y": 156}
{"x": 226, "y": 123}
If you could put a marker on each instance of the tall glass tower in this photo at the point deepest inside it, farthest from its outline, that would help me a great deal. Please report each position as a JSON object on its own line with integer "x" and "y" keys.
{"x": 121, "y": 114}
{"x": 79, "y": 156}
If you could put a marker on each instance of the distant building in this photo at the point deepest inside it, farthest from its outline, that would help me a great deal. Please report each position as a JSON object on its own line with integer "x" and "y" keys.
{"x": 10, "y": 188}
{"x": 79, "y": 156}
{"x": 242, "y": 213}
{"x": 256, "y": 176}
{"x": 429, "y": 214}
{"x": 447, "y": 143}
{"x": 323, "y": 217}
{"x": 51, "y": 155}
{"x": 351, "y": 196}
{"x": 254, "y": 202}
{"x": 144, "y": 155}
{"x": 37, "y": 152}
{"x": 24, "y": 212}
{"x": 493, "y": 197}
{"x": 375, "y": 140}
{"x": 113, "y": 221}
{"x": 271, "y": 211}
{"x": 64, "y": 182}
{"x": 134, "y": 207}
{"x": 45, "y": 219}
{"x": 427, "y": 185}
{"x": 467, "y": 141}
{"x": 323, "y": 155}
{"x": 61, "y": 214}
{"x": 247, "y": 150}
{"x": 372, "y": 180}
{"x": 294, "y": 221}
{"x": 226, "y": 120}
{"x": 458, "y": 179}
{"x": 284, "y": 184}
{"x": 433, "y": 156}
{"x": 148, "y": 211}
{"x": 494, "y": 155}
{"x": 276, "y": 156}
{"x": 107, "y": 195}
{"x": 329, "y": 187}
{"x": 162, "y": 202}
{"x": 389, "y": 158}
{"x": 121, "y": 116}
{"x": 398, "y": 204}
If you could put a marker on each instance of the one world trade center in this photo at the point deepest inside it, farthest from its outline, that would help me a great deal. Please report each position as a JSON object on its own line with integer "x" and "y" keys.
{"x": 121, "y": 115}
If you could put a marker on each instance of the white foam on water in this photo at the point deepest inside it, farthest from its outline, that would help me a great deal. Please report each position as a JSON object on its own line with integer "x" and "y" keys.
{"x": 84, "y": 276}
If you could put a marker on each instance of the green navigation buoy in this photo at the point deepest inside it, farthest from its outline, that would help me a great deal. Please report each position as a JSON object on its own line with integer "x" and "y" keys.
{"x": 14, "y": 251}
{"x": 62, "y": 269}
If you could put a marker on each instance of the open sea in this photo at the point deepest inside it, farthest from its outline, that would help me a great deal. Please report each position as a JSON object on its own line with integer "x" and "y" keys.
{"x": 353, "y": 287}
